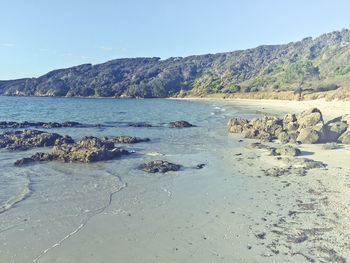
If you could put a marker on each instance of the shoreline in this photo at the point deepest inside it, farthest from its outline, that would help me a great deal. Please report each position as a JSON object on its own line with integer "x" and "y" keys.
{"x": 230, "y": 212}
{"x": 329, "y": 109}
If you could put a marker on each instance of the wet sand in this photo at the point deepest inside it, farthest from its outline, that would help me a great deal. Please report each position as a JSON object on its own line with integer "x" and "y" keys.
{"x": 227, "y": 212}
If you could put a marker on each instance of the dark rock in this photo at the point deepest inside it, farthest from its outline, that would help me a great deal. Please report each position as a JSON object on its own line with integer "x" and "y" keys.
{"x": 200, "y": 166}
{"x": 180, "y": 124}
{"x": 126, "y": 139}
{"x": 140, "y": 125}
{"x": 159, "y": 166}
{"x": 261, "y": 235}
{"x": 71, "y": 124}
{"x": 37, "y": 157}
{"x": 17, "y": 147}
{"x": 26, "y": 124}
{"x": 23, "y": 161}
{"x": 89, "y": 149}
{"x": 40, "y": 157}
{"x": 51, "y": 125}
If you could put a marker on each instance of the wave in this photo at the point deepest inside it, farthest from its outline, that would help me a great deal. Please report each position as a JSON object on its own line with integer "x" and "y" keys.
{"x": 20, "y": 196}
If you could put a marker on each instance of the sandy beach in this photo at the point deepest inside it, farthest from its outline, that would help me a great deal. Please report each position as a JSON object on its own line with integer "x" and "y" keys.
{"x": 232, "y": 210}
{"x": 233, "y": 213}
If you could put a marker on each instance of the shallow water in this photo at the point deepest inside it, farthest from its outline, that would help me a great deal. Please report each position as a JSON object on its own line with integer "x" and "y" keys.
{"x": 49, "y": 202}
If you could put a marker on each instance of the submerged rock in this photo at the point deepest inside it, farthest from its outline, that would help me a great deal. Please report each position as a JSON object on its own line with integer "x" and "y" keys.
{"x": 23, "y": 161}
{"x": 46, "y": 125}
{"x": 140, "y": 125}
{"x": 159, "y": 166}
{"x": 126, "y": 139}
{"x": 180, "y": 124}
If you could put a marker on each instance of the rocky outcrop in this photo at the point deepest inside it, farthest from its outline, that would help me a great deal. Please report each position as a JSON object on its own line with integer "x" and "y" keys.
{"x": 126, "y": 139}
{"x": 293, "y": 166}
{"x": 335, "y": 128}
{"x": 311, "y": 126}
{"x": 159, "y": 166}
{"x": 236, "y": 125}
{"x": 308, "y": 135}
{"x": 27, "y": 138}
{"x": 89, "y": 149}
{"x": 180, "y": 124}
{"x": 46, "y": 125}
{"x": 308, "y": 127}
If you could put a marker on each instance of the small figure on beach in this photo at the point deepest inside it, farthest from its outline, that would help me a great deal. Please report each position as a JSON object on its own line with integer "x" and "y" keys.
{"x": 300, "y": 91}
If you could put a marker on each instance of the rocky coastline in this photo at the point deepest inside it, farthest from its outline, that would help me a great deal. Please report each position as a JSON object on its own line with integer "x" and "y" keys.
{"x": 89, "y": 149}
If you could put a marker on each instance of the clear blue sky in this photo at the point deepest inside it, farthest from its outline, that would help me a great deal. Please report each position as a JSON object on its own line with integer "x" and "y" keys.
{"x": 37, "y": 36}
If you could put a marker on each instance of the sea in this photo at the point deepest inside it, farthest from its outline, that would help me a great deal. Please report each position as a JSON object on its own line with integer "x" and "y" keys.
{"x": 44, "y": 204}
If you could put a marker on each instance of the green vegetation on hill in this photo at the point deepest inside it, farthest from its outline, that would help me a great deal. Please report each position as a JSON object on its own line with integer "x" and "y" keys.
{"x": 316, "y": 65}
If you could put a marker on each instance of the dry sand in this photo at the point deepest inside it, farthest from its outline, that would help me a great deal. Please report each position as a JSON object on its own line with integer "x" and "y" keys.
{"x": 233, "y": 213}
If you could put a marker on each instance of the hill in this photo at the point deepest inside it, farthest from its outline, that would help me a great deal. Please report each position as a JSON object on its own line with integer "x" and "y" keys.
{"x": 316, "y": 65}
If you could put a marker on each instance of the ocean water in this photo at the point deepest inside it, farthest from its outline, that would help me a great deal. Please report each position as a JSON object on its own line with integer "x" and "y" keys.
{"x": 44, "y": 204}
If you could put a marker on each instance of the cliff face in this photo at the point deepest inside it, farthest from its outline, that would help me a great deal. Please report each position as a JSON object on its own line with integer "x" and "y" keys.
{"x": 320, "y": 64}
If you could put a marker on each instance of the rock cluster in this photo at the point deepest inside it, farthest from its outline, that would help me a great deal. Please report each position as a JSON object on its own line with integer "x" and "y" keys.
{"x": 17, "y": 140}
{"x": 159, "y": 166}
{"x": 308, "y": 127}
{"x": 89, "y": 149}
{"x": 46, "y": 125}
{"x": 283, "y": 150}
